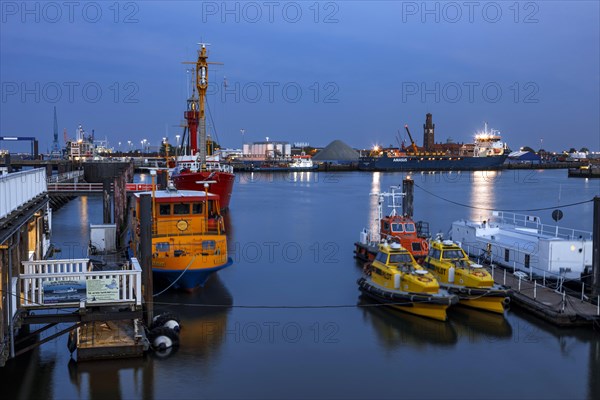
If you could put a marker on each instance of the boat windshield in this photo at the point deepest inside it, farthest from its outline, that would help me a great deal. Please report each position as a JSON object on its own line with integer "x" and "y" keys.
{"x": 397, "y": 227}
{"x": 409, "y": 227}
{"x": 452, "y": 254}
{"x": 400, "y": 258}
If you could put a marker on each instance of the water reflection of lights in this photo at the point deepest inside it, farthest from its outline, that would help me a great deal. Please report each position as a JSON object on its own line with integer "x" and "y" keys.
{"x": 482, "y": 193}
{"x": 374, "y": 203}
{"x": 301, "y": 176}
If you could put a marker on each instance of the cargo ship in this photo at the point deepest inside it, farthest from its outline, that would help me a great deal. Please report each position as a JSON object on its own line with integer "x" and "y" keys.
{"x": 486, "y": 153}
{"x": 195, "y": 167}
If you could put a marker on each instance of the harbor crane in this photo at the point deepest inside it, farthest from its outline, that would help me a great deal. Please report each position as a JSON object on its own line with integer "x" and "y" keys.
{"x": 412, "y": 142}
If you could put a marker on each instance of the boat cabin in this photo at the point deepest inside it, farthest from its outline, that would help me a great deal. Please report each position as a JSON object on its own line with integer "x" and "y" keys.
{"x": 184, "y": 212}
{"x": 451, "y": 264}
{"x": 395, "y": 267}
{"x": 404, "y": 230}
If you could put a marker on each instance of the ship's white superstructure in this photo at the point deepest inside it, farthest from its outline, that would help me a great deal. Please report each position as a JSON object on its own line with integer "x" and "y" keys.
{"x": 523, "y": 243}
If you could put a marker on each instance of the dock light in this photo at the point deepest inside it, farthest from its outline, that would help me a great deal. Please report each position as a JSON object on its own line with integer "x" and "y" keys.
{"x": 375, "y": 148}
{"x": 572, "y": 247}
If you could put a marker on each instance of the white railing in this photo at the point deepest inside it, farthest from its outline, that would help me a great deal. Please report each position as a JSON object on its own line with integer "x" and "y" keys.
{"x": 65, "y": 176}
{"x": 534, "y": 222}
{"x": 17, "y": 188}
{"x": 76, "y": 187}
{"x": 35, "y": 274}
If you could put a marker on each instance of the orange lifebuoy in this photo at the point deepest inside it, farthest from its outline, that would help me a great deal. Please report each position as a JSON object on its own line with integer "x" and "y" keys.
{"x": 425, "y": 246}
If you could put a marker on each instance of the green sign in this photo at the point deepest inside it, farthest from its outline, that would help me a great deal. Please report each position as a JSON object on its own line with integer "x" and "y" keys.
{"x": 101, "y": 290}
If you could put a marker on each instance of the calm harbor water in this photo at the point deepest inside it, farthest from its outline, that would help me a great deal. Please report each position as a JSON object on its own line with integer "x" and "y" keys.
{"x": 291, "y": 237}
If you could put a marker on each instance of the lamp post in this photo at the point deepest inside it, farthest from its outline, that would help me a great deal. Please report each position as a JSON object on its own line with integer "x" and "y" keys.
{"x": 242, "y": 131}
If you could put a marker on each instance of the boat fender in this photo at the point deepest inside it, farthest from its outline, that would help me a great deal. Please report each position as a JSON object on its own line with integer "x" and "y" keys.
{"x": 506, "y": 301}
{"x": 397, "y": 279}
{"x": 163, "y": 338}
{"x": 451, "y": 272}
{"x": 167, "y": 320}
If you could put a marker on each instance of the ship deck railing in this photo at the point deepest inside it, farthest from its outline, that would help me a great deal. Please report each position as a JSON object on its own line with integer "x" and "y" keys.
{"x": 543, "y": 230}
{"x": 79, "y": 274}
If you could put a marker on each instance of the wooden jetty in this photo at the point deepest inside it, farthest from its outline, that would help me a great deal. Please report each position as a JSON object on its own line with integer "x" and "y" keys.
{"x": 550, "y": 304}
{"x": 110, "y": 339}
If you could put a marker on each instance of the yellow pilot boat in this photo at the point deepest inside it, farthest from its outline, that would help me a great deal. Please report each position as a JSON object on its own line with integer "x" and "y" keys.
{"x": 395, "y": 278}
{"x": 472, "y": 283}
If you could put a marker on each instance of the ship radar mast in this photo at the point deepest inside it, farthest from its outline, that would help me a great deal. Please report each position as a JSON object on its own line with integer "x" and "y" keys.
{"x": 196, "y": 116}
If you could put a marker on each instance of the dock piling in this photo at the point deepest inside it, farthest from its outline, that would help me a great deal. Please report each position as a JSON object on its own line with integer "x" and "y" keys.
{"x": 146, "y": 252}
{"x": 596, "y": 248}
{"x": 519, "y": 283}
{"x": 408, "y": 187}
{"x": 534, "y": 290}
{"x": 504, "y": 282}
{"x": 106, "y": 202}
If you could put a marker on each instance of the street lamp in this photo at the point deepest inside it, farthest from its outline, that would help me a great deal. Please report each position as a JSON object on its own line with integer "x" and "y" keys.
{"x": 242, "y": 131}
{"x": 177, "y": 148}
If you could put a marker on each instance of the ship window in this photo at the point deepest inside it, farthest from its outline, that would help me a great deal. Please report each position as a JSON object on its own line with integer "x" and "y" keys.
{"x": 527, "y": 260}
{"x": 197, "y": 208}
{"x": 381, "y": 257}
{"x": 209, "y": 244}
{"x": 450, "y": 254}
{"x": 386, "y": 226}
{"x": 162, "y": 246}
{"x": 434, "y": 253}
{"x": 506, "y": 255}
{"x": 409, "y": 227}
{"x": 397, "y": 228}
{"x": 164, "y": 209}
{"x": 400, "y": 258}
{"x": 416, "y": 246}
{"x": 181, "y": 208}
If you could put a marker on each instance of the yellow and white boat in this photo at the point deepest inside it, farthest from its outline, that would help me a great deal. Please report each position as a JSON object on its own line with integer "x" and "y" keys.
{"x": 472, "y": 283}
{"x": 395, "y": 278}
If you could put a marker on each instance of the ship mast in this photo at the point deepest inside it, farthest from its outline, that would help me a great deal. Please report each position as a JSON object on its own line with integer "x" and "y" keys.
{"x": 195, "y": 115}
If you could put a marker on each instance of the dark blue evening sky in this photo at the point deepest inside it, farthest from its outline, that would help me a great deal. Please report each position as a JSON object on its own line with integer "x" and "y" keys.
{"x": 356, "y": 71}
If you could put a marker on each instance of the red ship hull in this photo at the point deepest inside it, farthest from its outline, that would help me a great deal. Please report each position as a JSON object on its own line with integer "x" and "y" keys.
{"x": 223, "y": 185}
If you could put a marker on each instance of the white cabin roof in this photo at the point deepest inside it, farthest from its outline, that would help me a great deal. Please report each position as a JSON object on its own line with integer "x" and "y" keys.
{"x": 176, "y": 193}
